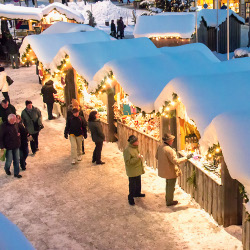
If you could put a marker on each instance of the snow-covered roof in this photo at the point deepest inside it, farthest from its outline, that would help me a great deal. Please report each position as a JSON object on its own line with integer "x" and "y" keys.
{"x": 63, "y": 9}
{"x": 10, "y": 11}
{"x": 89, "y": 58}
{"x": 171, "y": 24}
{"x": 64, "y": 27}
{"x": 210, "y": 17}
{"x": 231, "y": 130}
{"x": 47, "y": 46}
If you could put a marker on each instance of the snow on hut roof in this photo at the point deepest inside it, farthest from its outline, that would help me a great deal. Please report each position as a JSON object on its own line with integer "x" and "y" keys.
{"x": 231, "y": 130}
{"x": 171, "y": 24}
{"x": 63, "y": 9}
{"x": 47, "y": 46}
{"x": 10, "y": 11}
{"x": 210, "y": 17}
{"x": 225, "y": 87}
{"x": 64, "y": 27}
{"x": 89, "y": 58}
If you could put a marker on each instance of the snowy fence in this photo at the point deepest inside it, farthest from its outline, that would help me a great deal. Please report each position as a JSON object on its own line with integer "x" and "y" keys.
{"x": 170, "y": 42}
{"x": 222, "y": 199}
{"x": 245, "y": 230}
{"x": 147, "y": 144}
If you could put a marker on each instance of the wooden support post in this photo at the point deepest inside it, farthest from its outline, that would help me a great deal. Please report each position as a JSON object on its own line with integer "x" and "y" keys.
{"x": 110, "y": 116}
{"x": 245, "y": 230}
{"x": 70, "y": 88}
{"x": 231, "y": 204}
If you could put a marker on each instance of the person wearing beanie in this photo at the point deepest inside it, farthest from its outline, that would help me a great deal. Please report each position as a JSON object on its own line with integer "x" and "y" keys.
{"x": 168, "y": 166}
{"x": 76, "y": 128}
{"x": 134, "y": 168}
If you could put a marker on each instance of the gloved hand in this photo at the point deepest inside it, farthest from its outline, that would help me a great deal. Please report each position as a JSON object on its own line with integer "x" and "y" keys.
{"x": 66, "y": 136}
{"x": 189, "y": 156}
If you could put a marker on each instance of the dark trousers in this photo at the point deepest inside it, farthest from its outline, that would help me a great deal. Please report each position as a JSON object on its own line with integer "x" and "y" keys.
{"x": 12, "y": 155}
{"x": 24, "y": 152}
{"x": 34, "y": 142}
{"x": 134, "y": 186}
{"x": 97, "y": 152}
{"x": 83, "y": 146}
{"x": 49, "y": 109}
{"x": 6, "y": 96}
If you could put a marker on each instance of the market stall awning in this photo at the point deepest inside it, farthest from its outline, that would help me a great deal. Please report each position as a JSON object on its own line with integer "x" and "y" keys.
{"x": 88, "y": 59}
{"x": 9, "y": 11}
{"x": 63, "y": 9}
{"x": 64, "y": 27}
{"x": 47, "y": 46}
{"x": 171, "y": 24}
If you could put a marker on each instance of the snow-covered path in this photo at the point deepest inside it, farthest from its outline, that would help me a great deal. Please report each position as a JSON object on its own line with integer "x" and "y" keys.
{"x": 60, "y": 206}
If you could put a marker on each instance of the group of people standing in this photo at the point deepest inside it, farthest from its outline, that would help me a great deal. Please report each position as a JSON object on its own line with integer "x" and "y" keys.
{"x": 119, "y": 32}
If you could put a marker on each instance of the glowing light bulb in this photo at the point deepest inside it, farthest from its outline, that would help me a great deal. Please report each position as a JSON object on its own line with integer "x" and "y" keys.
{"x": 172, "y": 103}
{"x": 167, "y": 108}
{"x": 179, "y": 99}
{"x": 109, "y": 81}
{"x": 100, "y": 92}
{"x": 217, "y": 150}
{"x": 166, "y": 116}
{"x": 104, "y": 86}
{"x": 209, "y": 155}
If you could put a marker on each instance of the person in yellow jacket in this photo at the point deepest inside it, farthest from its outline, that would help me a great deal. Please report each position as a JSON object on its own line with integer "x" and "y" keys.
{"x": 134, "y": 169}
{"x": 168, "y": 166}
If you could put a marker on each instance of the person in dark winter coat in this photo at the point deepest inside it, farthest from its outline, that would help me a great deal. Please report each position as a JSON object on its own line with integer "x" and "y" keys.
{"x": 223, "y": 7}
{"x": 134, "y": 169}
{"x": 24, "y": 148}
{"x": 120, "y": 28}
{"x": 6, "y": 109}
{"x": 75, "y": 104}
{"x": 32, "y": 119}
{"x": 10, "y": 140}
{"x": 48, "y": 92}
{"x": 12, "y": 49}
{"x": 113, "y": 29}
{"x": 97, "y": 136}
{"x": 76, "y": 128}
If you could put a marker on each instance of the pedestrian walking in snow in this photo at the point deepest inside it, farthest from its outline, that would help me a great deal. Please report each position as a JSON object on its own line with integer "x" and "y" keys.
{"x": 75, "y": 105}
{"x": 10, "y": 140}
{"x": 32, "y": 120}
{"x": 120, "y": 28}
{"x": 97, "y": 135}
{"x": 12, "y": 49}
{"x": 24, "y": 148}
{"x": 4, "y": 86}
{"x": 223, "y": 7}
{"x": 168, "y": 166}
{"x": 76, "y": 128}
{"x": 113, "y": 29}
{"x": 48, "y": 92}
{"x": 6, "y": 109}
{"x": 134, "y": 168}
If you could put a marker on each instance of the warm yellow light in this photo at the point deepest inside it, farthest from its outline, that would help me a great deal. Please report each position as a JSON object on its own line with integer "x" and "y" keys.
{"x": 172, "y": 103}
{"x": 167, "y": 108}
{"x": 100, "y": 92}
{"x": 179, "y": 99}
{"x": 165, "y": 37}
{"x": 104, "y": 86}
{"x": 166, "y": 116}
{"x": 171, "y": 37}
{"x": 217, "y": 150}
{"x": 109, "y": 81}
{"x": 30, "y": 50}
{"x": 209, "y": 155}
{"x": 157, "y": 38}
{"x": 25, "y": 59}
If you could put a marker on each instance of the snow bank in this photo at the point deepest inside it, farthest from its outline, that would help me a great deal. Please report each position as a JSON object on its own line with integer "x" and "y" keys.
{"x": 11, "y": 236}
{"x": 89, "y": 58}
{"x": 232, "y": 131}
{"x": 17, "y": 12}
{"x": 171, "y": 24}
{"x": 210, "y": 17}
{"x": 64, "y": 27}
{"x": 63, "y": 9}
{"x": 46, "y": 46}
{"x": 242, "y": 52}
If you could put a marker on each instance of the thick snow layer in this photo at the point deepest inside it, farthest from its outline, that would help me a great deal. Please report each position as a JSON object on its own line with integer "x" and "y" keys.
{"x": 64, "y": 27}
{"x": 210, "y": 17}
{"x": 208, "y": 95}
{"x": 231, "y": 130}
{"x": 17, "y": 12}
{"x": 47, "y": 46}
{"x": 63, "y": 9}
{"x": 11, "y": 236}
{"x": 193, "y": 47}
{"x": 89, "y": 58}
{"x": 182, "y": 25}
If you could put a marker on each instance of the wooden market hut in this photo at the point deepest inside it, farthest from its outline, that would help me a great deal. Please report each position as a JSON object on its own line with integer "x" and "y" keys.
{"x": 207, "y": 31}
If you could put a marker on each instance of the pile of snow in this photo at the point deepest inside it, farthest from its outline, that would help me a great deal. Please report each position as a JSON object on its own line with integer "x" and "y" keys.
{"x": 232, "y": 131}
{"x": 64, "y": 27}
{"x": 171, "y": 24}
{"x": 210, "y": 17}
{"x": 63, "y": 9}
{"x": 11, "y": 236}
{"x": 242, "y": 52}
{"x": 18, "y": 12}
{"x": 88, "y": 59}
{"x": 46, "y": 46}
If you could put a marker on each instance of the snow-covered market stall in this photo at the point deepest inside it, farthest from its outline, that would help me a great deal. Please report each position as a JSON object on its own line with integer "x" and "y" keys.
{"x": 86, "y": 60}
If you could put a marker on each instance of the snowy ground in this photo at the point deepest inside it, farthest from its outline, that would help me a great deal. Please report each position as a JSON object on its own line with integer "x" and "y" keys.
{"x": 60, "y": 206}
